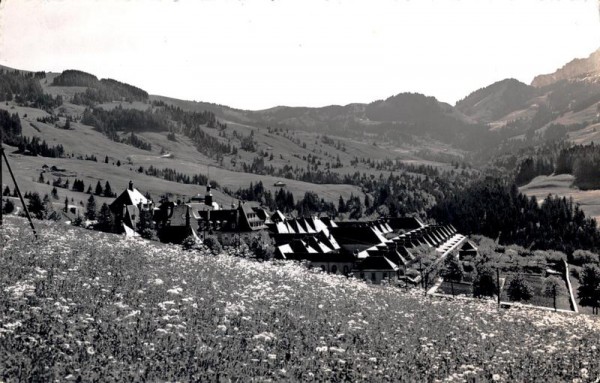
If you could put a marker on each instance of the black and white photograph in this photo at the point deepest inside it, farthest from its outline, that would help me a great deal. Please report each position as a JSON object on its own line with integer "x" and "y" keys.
{"x": 300, "y": 191}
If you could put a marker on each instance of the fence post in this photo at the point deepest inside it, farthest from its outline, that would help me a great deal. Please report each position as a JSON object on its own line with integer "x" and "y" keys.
{"x": 498, "y": 284}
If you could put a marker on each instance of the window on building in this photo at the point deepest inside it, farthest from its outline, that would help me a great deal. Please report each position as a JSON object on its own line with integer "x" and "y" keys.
{"x": 334, "y": 269}
{"x": 346, "y": 271}
{"x": 323, "y": 267}
{"x": 373, "y": 277}
{"x": 362, "y": 275}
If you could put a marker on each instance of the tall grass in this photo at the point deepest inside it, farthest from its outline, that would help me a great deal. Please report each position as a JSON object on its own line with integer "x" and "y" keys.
{"x": 82, "y": 305}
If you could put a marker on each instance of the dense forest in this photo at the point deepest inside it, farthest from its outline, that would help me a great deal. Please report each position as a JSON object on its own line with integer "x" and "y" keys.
{"x": 496, "y": 209}
{"x": 582, "y": 161}
{"x": 98, "y": 91}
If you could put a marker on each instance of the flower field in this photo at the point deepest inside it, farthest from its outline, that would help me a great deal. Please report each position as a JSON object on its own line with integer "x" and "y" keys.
{"x": 84, "y": 306}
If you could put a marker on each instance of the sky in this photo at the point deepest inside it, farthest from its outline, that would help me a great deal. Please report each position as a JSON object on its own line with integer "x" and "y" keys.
{"x": 257, "y": 54}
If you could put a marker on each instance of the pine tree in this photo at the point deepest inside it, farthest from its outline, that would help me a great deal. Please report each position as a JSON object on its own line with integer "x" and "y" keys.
{"x": 6, "y": 191}
{"x": 48, "y": 210}
{"x": 107, "y": 190}
{"x": 54, "y": 193}
{"x": 105, "y": 219}
{"x": 99, "y": 189}
{"x": 90, "y": 209}
{"x": 89, "y": 190}
{"x": 36, "y": 206}
{"x": 66, "y": 204}
{"x": 341, "y": 205}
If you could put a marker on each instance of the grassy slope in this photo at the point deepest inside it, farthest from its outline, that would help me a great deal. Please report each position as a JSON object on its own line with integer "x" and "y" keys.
{"x": 86, "y": 141}
{"x": 80, "y": 304}
{"x": 560, "y": 185}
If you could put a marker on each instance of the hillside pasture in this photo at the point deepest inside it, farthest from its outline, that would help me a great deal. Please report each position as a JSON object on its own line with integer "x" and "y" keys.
{"x": 586, "y": 136}
{"x": 85, "y": 140}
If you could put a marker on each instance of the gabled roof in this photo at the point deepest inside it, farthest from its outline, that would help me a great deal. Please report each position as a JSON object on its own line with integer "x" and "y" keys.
{"x": 319, "y": 225}
{"x": 300, "y": 246}
{"x": 289, "y": 227}
{"x": 377, "y": 263}
{"x": 396, "y": 257}
{"x": 136, "y": 197}
{"x": 296, "y": 226}
{"x": 281, "y": 228}
{"x": 128, "y": 197}
{"x": 308, "y": 223}
{"x": 328, "y": 239}
{"x": 284, "y": 250}
{"x": 318, "y": 245}
{"x": 328, "y": 222}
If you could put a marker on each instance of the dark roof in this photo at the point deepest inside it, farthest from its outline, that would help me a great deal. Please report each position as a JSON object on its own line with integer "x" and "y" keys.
{"x": 321, "y": 257}
{"x": 278, "y": 216}
{"x": 261, "y": 213}
{"x": 468, "y": 246}
{"x": 355, "y": 235}
{"x": 377, "y": 263}
{"x": 405, "y": 223}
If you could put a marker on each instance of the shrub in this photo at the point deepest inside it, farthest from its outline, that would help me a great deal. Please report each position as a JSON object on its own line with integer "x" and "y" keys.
{"x": 485, "y": 282}
{"x": 149, "y": 233}
{"x": 581, "y": 257}
{"x": 453, "y": 269}
{"x": 518, "y": 289}
{"x": 468, "y": 267}
{"x": 189, "y": 243}
{"x": 8, "y": 207}
{"x": 213, "y": 244}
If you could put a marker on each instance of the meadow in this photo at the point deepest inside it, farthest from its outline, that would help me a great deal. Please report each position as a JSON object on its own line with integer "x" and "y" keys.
{"x": 77, "y": 305}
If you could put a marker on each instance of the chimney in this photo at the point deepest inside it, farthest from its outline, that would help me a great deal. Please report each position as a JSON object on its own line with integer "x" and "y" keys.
{"x": 131, "y": 185}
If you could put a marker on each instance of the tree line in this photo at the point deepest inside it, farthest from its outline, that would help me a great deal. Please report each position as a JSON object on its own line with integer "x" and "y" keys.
{"x": 98, "y": 91}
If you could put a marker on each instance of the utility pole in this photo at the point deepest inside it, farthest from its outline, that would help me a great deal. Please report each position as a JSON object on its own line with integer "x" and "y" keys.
{"x": 3, "y": 156}
{"x": 1, "y": 198}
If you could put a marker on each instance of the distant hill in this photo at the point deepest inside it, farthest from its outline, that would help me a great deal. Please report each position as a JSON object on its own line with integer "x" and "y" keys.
{"x": 497, "y": 100}
{"x": 400, "y": 118}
